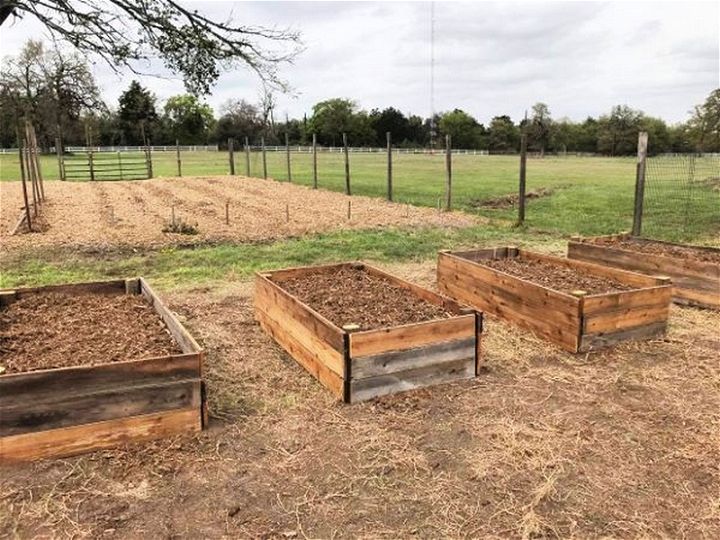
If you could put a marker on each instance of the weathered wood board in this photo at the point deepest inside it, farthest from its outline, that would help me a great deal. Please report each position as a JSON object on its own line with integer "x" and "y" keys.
{"x": 357, "y": 366}
{"x": 575, "y": 323}
{"x": 695, "y": 283}
{"x": 60, "y": 412}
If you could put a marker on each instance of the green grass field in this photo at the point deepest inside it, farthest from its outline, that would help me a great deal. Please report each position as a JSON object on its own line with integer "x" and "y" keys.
{"x": 587, "y": 195}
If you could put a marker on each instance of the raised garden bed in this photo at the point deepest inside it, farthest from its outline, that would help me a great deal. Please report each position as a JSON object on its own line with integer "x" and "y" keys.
{"x": 91, "y": 366}
{"x": 364, "y": 333}
{"x": 576, "y": 305}
{"x": 695, "y": 271}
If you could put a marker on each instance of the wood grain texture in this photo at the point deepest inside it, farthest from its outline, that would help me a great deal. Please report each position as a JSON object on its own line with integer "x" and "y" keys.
{"x": 394, "y": 361}
{"x": 590, "y": 342}
{"x": 75, "y": 408}
{"x": 402, "y": 381}
{"x": 695, "y": 282}
{"x": 409, "y": 336}
{"x": 97, "y": 436}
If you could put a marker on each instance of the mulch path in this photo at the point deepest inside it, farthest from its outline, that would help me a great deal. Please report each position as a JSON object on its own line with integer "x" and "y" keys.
{"x": 656, "y": 248}
{"x": 556, "y": 276}
{"x": 353, "y": 296}
{"x": 52, "y": 330}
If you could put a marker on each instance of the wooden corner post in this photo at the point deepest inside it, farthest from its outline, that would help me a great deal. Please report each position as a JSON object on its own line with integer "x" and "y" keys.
{"x": 640, "y": 182}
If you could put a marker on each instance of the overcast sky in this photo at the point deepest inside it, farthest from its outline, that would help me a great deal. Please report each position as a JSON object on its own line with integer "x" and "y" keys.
{"x": 490, "y": 58}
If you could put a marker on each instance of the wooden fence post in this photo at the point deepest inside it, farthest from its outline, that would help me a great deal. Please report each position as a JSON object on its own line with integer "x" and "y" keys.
{"x": 59, "y": 152}
{"x": 231, "y": 156}
{"x": 314, "y": 158}
{"x": 640, "y": 182}
{"x": 179, "y": 162}
{"x": 247, "y": 157}
{"x": 23, "y": 178}
{"x": 264, "y": 158}
{"x": 448, "y": 173}
{"x": 389, "y": 166}
{"x": 347, "y": 165}
{"x": 523, "y": 173}
{"x": 287, "y": 155}
{"x": 148, "y": 160}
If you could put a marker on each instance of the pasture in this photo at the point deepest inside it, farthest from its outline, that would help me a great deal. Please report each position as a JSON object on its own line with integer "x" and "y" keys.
{"x": 620, "y": 442}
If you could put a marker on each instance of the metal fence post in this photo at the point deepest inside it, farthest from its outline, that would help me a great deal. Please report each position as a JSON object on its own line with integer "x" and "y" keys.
{"x": 389, "y": 166}
{"x": 523, "y": 175}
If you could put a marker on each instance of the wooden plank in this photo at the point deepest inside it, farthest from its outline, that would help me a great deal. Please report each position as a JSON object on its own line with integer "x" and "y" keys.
{"x": 97, "y": 436}
{"x": 48, "y": 384}
{"x": 696, "y": 298}
{"x": 653, "y": 296}
{"x": 624, "y": 276}
{"x": 182, "y": 337}
{"x": 393, "y": 361}
{"x": 611, "y": 321}
{"x": 596, "y": 341}
{"x": 298, "y": 326}
{"x": 642, "y": 262}
{"x": 301, "y": 355}
{"x": 116, "y": 286}
{"x": 278, "y": 276}
{"x": 408, "y": 336}
{"x": 313, "y": 320}
{"x": 74, "y": 409}
{"x": 364, "y": 389}
{"x": 451, "y": 266}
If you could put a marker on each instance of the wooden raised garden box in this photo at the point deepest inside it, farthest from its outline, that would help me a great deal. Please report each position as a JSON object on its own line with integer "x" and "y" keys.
{"x": 694, "y": 270}
{"x": 578, "y": 306}
{"x": 364, "y": 333}
{"x": 91, "y": 366}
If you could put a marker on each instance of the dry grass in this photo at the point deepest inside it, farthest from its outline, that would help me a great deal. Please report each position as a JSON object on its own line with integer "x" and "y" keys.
{"x": 103, "y": 215}
{"x": 622, "y": 443}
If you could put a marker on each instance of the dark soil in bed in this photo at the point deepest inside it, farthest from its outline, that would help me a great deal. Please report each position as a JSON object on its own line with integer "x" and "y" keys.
{"x": 52, "y": 330}
{"x": 353, "y": 296}
{"x": 692, "y": 253}
{"x": 556, "y": 276}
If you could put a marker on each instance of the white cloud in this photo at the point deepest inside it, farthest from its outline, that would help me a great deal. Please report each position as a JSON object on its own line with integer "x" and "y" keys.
{"x": 491, "y": 58}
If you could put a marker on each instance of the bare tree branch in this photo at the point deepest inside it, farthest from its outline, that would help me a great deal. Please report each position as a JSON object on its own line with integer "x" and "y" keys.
{"x": 122, "y": 32}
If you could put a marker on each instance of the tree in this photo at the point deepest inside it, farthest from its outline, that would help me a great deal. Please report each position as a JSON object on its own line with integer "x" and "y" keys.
{"x": 504, "y": 135}
{"x": 391, "y": 120}
{"x": 136, "y": 114}
{"x": 331, "y": 118}
{"x": 122, "y": 32}
{"x": 704, "y": 125}
{"x": 239, "y": 119}
{"x": 188, "y": 120}
{"x": 464, "y": 130}
{"x": 51, "y": 88}
{"x": 539, "y": 128}
{"x": 617, "y": 132}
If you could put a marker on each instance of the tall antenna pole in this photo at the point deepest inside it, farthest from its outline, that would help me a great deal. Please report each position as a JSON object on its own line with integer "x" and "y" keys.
{"x": 432, "y": 76}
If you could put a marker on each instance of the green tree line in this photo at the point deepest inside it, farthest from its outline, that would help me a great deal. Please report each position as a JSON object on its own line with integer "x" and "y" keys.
{"x": 57, "y": 92}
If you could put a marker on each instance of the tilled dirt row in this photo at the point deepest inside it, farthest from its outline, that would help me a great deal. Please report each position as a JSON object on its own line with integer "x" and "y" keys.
{"x": 133, "y": 214}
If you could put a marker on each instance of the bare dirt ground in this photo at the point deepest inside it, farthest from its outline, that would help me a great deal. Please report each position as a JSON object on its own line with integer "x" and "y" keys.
{"x": 103, "y": 215}
{"x": 618, "y": 444}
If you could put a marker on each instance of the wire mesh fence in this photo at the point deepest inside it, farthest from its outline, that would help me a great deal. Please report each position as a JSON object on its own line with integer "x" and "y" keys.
{"x": 682, "y": 196}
